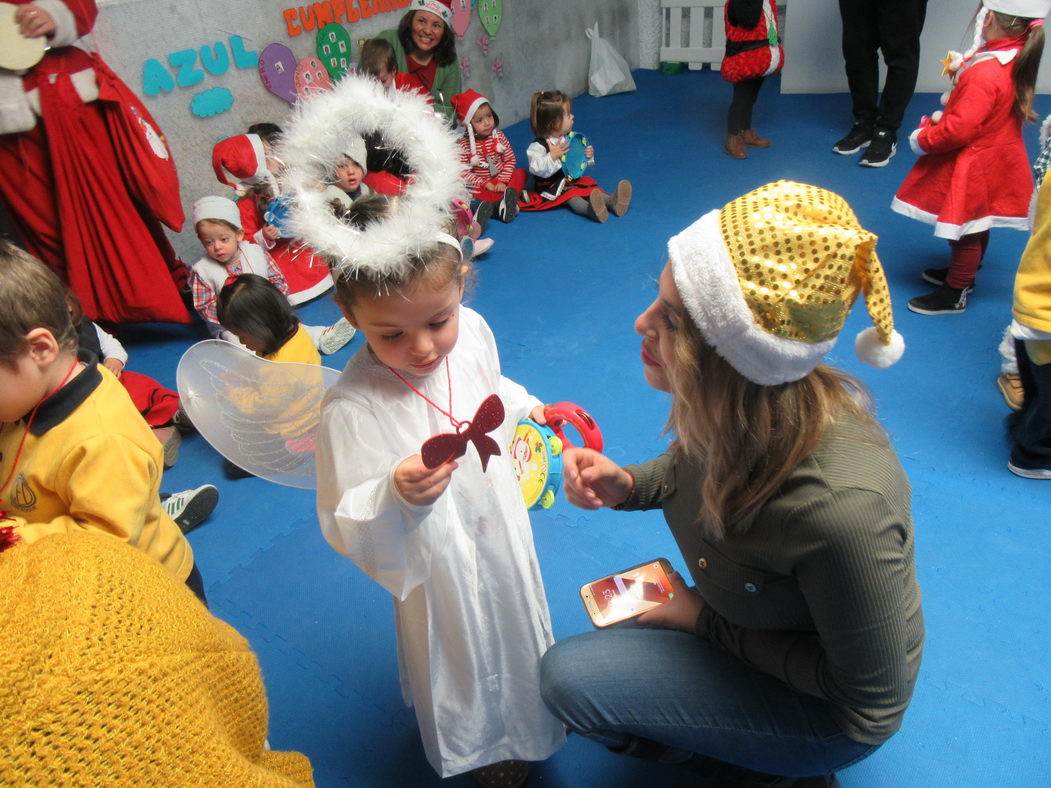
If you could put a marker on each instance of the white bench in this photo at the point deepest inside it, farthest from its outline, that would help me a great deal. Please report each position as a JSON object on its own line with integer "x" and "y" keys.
{"x": 692, "y": 31}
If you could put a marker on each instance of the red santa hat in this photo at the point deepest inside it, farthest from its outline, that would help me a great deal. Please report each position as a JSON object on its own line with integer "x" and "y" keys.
{"x": 440, "y": 8}
{"x": 240, "y": 160}
{"x": 465, "y": 105}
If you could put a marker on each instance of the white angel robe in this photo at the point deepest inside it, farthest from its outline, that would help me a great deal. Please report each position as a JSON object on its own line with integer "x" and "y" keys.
{"x": 470, "y": 611}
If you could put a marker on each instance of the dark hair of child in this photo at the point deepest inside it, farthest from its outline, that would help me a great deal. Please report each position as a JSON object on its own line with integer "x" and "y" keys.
{"x": 270, "y": 133}
{"x": 546, "y": 112}
{"x": 252, "y": 305}
{"x": 31, "y": 296}
{"x": 1028, "y": 63}
{"x": 377, "y": 54}
{"x": 432, "y": 267}
{"x": 444, "y": 53}
{"x": 219, "y": 222}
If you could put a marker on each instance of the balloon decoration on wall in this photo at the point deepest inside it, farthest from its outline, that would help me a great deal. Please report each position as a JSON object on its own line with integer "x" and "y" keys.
{"x": 333, "y": 48}
{"x": 498, "y": 67}
{"x": 311, "y": 77}
{"x": 465, "y": 67}
{"x": 483, "y": 43}
{"x": 277, "y": 67}
{"x": 491, "y": 12}
{"x": 461, "y": 17}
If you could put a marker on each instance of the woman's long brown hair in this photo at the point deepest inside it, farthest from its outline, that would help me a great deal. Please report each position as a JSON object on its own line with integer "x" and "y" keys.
{"x": 747, "y": 438}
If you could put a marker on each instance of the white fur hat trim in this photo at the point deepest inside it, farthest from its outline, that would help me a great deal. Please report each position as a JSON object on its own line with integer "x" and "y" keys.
{"x": 315, "y": 142}
{"x": 709, "y": 287}
{"x": 1028, "y": 9}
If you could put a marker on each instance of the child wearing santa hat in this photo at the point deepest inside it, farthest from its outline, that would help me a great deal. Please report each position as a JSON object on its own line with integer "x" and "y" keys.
{"x": 246, "y": 163}
{"x": 491, "y": 174}
{"x": 227, "y": 254}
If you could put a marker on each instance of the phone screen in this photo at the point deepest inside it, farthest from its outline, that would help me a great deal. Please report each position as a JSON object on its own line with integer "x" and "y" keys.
{"x": 629, "y": 593}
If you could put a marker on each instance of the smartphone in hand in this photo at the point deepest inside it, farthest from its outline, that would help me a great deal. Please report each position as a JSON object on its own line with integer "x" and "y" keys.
{"x": 627, "y": 593}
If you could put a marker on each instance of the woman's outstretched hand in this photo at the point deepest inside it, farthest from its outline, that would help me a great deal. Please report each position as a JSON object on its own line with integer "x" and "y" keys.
{"x": 593, "y": 480}
{"x": 680, "y": 612}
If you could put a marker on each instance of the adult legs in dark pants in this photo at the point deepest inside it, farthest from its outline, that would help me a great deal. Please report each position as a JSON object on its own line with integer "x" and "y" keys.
{"x": 890, "y": 27}
{"x": 1031, "y": 426}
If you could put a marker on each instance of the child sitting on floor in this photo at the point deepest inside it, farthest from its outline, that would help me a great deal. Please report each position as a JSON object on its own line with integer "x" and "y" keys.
{"x": 386, "y": 170}
{"x": 486, "y": 153}
{"x": 350, "y": 173}
{"x": 551, "y": 117}
{"x": 253, "y": 309}
{"x": 217, "y": 221}
{"x": 68, "y": 431}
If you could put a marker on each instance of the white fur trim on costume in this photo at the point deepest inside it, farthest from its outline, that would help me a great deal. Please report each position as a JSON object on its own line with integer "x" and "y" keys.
{"x": 1045, "y": 131}
{"x": 954, "y": 232}
{"x": 914, "y": 143}
{"x": 870, "y": 348}
{"x": 213, "y": 207}
{"x": 65, "y": 23}
{"x": 313, "y": 144}
{"x": 708, "y": 285}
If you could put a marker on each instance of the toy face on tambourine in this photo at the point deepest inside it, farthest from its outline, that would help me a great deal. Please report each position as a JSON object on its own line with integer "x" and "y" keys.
{"x": 536, "y": 451}
{"x": 575, "y": 161}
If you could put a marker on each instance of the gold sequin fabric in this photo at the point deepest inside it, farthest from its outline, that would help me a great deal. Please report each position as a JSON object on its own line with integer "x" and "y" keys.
{"x": 802, "y": 259}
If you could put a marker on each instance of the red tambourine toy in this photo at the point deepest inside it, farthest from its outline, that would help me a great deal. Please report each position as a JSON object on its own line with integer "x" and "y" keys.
{"x": 536, "y": 451}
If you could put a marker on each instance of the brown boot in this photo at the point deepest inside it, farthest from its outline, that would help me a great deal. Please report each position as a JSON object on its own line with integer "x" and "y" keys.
{"x": 753, "y": 140}
{"x": 735, "y": 146}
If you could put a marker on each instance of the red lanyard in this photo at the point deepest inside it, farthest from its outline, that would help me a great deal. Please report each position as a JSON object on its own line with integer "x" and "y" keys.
{"x": 448, "y": 376}
{"x": 22, "y": 443}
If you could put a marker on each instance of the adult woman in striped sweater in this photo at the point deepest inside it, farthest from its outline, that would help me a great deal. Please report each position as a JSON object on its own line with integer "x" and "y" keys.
{"x": 796, "y": 653}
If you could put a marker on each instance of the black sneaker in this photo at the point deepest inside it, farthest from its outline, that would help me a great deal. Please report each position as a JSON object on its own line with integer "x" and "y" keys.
{"x": 943, "y": 301}
{"x": 936, "y": 276}
{"x": 483, "y": 213}
{"x": 858, "y": 138}
{"x": 883, "y": 146}
{"x": 190, "y": 508}
{"x": 508, "y": 209}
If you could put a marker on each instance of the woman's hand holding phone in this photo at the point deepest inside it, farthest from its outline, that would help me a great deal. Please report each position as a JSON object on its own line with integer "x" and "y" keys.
{"x": 420, "y": 485}
{"x": 592, "y": 480}
{"x": 680, "y": 612}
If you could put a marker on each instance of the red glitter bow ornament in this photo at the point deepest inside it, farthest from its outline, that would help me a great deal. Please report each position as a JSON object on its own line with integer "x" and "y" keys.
{"x": 450, "y": 445}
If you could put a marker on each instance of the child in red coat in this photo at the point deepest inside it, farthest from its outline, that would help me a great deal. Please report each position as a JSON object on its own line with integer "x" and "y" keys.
{"x": 753, "y": 52}
{"x": 974, "y": 171}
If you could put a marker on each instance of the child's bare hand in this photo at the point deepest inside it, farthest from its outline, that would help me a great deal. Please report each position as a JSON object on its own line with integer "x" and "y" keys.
{"x": 420, "y": 485}
{"x": 114, "y": 365}
{"x": 493, "y": 186}
{"x": 271, "y": 233}
{"x": 593, "y": 480}
{"x": 537, "y": 414}
{"x": 558, "y": 150}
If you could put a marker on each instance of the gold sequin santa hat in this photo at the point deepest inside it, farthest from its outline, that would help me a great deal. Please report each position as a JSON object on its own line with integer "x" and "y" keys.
{"x": 771, "y": 277}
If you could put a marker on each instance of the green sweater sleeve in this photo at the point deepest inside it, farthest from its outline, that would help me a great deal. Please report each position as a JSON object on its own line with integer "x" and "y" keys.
{"x": 650, "y": 485}
{"x": 851, "y": 556}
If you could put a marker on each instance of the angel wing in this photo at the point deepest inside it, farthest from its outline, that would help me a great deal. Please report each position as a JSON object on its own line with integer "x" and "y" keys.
{"x": 261, "y": 415}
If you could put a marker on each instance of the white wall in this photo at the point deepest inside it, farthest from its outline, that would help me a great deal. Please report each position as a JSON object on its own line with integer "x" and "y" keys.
{"x": 541, "y": 43}
{"x": 814, "y": 57}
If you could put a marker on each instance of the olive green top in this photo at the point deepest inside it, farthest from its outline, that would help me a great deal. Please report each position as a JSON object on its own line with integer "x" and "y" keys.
{"x": 820, "y": 591}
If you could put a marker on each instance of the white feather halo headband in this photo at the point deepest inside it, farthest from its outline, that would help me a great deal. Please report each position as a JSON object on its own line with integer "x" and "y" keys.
{"x": 313, "y": 145}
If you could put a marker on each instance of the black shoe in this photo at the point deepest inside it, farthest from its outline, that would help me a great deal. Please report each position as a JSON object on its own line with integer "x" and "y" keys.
{"x": 936, "y": 276}
{"x": 882, "y": 148}
{"x": 508, "y": 206}
{"x": 943, "y": 301}
{"x": 190, "y": 508}
{"x": 234, "y": 472}
{"x": 858, "y": 138}
{"x": 484, "y": 212}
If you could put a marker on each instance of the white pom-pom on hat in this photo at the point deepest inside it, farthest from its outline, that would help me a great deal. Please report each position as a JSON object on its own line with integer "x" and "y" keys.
{"x": 870, "y": 348}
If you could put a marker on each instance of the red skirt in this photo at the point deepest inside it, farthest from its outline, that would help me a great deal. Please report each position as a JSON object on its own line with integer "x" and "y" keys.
{"x": 534, "y": 201}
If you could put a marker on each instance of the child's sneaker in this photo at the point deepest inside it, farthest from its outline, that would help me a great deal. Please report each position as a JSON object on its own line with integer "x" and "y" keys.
{"x": 467, "y": 248}
{"x": 1029, "y": 473}
{"x": 481, "y": 246}
{"x": 335, "y": 336}
{"x": 483, "y": 213}
{"x": 170, "y": 439}
{"x": 943, "y": 301}
{"x": 181, "y": 420}
{"x": 937, "y": 276}
{"x": 619, "y": 201}
{"x": 190, "y": 508}
{"x": 1011, "y": 387}
{"x": 597, "y": 201}
{"x": 508, "y": 209}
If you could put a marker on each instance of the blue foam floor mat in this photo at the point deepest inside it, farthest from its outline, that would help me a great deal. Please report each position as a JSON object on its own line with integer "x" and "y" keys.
{"x": 561, "y": 295}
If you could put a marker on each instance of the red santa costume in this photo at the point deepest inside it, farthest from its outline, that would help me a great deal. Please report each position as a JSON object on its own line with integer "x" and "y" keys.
{"x": 240, "y": 161}
{"x": 59, "y": 174}
{"x": 973, "y": 172}
{"x": 489, "y": 159}
{"x": 753, "y": 51}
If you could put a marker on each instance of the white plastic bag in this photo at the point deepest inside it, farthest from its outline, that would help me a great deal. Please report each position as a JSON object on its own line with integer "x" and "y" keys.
{"x": 609, "y": 72}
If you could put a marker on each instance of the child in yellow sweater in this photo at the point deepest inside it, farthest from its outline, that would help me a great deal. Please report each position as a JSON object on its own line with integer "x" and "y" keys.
{"x": 74, "y": 453}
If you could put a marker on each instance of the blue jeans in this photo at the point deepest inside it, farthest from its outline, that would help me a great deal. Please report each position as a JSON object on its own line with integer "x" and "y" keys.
{"x": 682, "y": 691}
